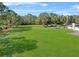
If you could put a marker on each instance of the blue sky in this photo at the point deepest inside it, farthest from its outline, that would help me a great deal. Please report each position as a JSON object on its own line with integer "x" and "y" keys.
{"x": 35, "y": 8}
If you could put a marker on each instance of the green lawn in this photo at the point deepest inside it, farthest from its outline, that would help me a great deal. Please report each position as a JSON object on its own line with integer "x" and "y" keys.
{"x": 50, "y": 41}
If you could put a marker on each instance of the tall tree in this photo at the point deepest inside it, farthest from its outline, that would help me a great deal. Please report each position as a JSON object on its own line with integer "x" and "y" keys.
{"x": 54, "y": 17}
{"x": 3, "y": 8}
{"x": 11, "y": 17}
{"x": 43, "y": 18}
{"x": 7, "y": 16}
{"x": 29, "y": 19}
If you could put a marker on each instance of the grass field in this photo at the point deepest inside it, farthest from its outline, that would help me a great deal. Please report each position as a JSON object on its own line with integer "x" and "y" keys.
{"x": 50, "y": 41}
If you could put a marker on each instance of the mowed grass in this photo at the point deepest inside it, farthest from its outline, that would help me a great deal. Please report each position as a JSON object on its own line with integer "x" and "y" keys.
{"x": 51, "y": 42}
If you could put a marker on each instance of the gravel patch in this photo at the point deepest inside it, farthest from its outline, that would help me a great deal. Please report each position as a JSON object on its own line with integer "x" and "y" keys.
{"x": 75, "y": 33}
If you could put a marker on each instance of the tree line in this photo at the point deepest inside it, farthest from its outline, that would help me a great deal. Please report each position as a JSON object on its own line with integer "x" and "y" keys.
{"x": 49, "y": 18}
{"x": 9, "y": 18}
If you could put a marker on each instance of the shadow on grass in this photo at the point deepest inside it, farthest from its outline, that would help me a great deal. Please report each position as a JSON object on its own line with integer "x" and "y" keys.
{"x": 3, "y": 34}
{"x": 10, "y": 46}
{"x": 16, "y": 29}
{"x": 22, "y": 28}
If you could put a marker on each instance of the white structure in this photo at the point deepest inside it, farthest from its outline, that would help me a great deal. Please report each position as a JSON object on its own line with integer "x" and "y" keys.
{"x": 73, "y": 26}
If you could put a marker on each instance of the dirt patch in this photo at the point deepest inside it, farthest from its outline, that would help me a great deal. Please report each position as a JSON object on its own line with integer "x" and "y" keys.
{"x": 7, "y": 30}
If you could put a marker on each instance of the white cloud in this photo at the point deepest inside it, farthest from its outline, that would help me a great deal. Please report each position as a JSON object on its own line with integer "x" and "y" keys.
{"x": 67, "y": 14}
{"x": 31, "y": 3}
{"x": 21, "y": 3}
{"x": 44, "y": 4}
{"x": 76, "y": 6}
{"x": 24, "y": 12}
{"x": 11, "y": 3}
{"x": 42, "y": 10}
{"x": 18, "y": 3}
{"x": 33, "y": 10}
{"x": 63, "y": 13}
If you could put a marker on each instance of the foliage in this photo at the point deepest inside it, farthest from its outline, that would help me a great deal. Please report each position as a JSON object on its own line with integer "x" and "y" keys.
{"x": 7, "y": 17}
{"x": 48, "y": 18}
